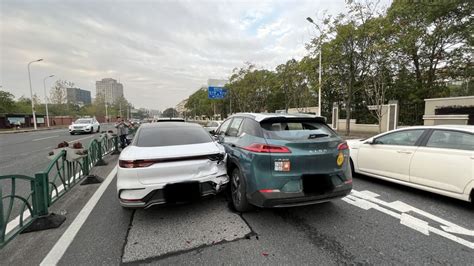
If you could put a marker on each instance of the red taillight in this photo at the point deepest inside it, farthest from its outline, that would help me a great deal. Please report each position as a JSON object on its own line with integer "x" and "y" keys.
{"x": 269, "y": 190}
{"x": 343, "y": 146}
{"x": 135, "y": 164}
{"x": 265, "y": 148}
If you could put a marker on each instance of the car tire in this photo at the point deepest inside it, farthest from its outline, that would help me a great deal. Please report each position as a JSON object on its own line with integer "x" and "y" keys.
{"x": 352, "y": 167}
{"x": 72, "y": 133}
{"x": 238, "y": 190}
{"x": 98, "y": 129}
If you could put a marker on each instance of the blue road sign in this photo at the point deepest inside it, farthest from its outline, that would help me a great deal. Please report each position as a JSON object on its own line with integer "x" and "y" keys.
{"x": 216, "y": 92}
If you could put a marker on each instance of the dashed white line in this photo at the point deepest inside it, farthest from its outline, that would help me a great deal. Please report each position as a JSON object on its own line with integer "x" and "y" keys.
{"x": 50, "y": 137}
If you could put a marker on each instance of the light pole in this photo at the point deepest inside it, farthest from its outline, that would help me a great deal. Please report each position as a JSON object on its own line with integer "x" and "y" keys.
{"x": 31, "y": 92}
{"x": 320, "y": 52}
{"x": 46, "y": 98}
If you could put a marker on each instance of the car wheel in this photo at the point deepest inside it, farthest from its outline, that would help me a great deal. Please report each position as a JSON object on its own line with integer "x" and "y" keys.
{"x": 72, "y": 133}
{"x": 238, "y": 192}
{"x": 352, "y": 167}
{"x": 98, "y": 129}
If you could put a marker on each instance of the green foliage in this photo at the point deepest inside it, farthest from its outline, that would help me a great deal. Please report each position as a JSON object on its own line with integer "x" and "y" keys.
{"x": 7, "y": 101}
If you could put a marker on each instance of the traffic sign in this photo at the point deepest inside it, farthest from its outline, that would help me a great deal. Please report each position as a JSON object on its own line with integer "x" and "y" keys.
{"x": 216, "y": 92}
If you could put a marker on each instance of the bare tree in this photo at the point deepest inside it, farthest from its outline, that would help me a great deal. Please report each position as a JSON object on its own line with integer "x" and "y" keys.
{"x": 58, "y": 93}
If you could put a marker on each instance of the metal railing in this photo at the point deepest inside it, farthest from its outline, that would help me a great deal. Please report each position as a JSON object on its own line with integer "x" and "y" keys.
{"x": 47, "y": 186}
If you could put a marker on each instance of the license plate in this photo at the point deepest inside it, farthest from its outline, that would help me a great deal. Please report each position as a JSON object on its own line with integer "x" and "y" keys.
{"x": 182, "y": 192}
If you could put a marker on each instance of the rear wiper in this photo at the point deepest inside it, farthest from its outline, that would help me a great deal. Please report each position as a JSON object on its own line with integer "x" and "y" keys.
{"x": 314, "y": 136}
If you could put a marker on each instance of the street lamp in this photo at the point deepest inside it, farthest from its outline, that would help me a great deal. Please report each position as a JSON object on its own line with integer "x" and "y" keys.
{"x": 46, "y": 98}
{"x": 31, "y": 92}
{"x": 320, "y": 52}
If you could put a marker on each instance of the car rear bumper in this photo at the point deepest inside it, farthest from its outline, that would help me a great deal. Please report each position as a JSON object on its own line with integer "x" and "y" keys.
{"x": 291, "y": 199}
{"x": 151, "y": 195}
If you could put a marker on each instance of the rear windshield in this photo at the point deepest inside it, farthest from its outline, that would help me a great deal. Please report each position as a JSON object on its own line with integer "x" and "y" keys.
{"x": 155, "y": 137}
{"x": 296, "y": 130}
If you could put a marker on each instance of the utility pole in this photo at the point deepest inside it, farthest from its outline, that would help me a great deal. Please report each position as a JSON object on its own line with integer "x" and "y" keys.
{"x": 31, "y": 93}
{"x": 320, "y": 52}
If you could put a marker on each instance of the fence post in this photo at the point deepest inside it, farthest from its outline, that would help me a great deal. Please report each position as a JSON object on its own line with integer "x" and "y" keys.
{"x": 100, "y": 161}
{"x": 85, "y": 165}
{"x": 40, "y": 194}
{"x": 116, "y": 146}
{"x": 3, "y": 223}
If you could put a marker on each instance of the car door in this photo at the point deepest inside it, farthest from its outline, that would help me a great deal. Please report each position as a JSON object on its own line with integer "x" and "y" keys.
{"x": 445, "y": 161}
{"x": 389, "y": 155}
{"x": 231, "y": 137}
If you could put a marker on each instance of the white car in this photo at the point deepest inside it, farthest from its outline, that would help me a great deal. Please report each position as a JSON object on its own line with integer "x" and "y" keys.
{"x": 84, "y": 125}
{"x": 211, "y": 126}
{"x": 439, "y": 159}
{"x": 170, "y": 162}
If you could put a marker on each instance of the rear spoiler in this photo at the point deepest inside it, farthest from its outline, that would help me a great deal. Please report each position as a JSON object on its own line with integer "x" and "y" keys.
{"x": 318, "y": 119}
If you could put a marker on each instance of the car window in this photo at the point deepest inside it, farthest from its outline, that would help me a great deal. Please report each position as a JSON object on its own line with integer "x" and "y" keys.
{"x": 447, "y": 139}
{"x": 404, "y": 138}
{"x": 295, "y": 130}
{"x": 234, "y": 127}
{"x": 251, "y": 127}
{"x": 224, "y": 126}
{"x": 169, "y": 136}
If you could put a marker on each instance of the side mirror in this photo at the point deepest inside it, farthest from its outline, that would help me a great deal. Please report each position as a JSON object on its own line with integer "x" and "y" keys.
{"x": 219, "y": 138}
{"x": 212, "y": 132}
{"x": 370, "y": 142}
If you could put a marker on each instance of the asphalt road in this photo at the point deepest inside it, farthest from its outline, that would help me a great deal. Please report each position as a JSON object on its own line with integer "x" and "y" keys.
{"x": 363, "y": 228}
{"x": 27, "y": 153}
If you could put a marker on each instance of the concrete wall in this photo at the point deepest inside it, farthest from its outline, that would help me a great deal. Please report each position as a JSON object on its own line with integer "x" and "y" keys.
{"x": 369, "y": 128}
{"x": 432, "y": 120}
{"x": 432, "y": 104}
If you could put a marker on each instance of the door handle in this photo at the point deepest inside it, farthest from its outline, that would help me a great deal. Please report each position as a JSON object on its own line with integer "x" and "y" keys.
{"x": 405, "y": 152}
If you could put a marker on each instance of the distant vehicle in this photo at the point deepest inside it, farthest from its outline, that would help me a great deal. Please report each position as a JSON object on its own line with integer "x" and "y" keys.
{"x": 438, "y": 159}
{"x": 84, "y": 125}
{"x": 169, "y": 119}
{"x": 212, "y": 126}
{"x": 283, "y": 160}
{"x": 170, "y": 163}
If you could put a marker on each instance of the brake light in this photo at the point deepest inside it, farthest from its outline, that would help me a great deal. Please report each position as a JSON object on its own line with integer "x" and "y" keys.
{"x": 135, "y": 164}
{"x": 343, "y": 146}
{"x": 269, "y": 190}
{"x": 265, "y": 148}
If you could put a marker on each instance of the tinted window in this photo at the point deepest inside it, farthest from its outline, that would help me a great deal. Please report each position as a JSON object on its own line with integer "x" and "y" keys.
{"x": 224, "y": 126}
{"x": 296, "y": 130}
{"x": 154, "y": 137}
{"x": 405, "y": 138}
{"x": 447, "y": 139}
{"x": 234, "y": 127}
{"x": 251, "y": 127}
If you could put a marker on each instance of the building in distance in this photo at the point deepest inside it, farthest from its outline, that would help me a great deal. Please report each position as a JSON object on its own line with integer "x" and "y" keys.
{"x": 109, "y": 89}
{"x": 78, "y": 96}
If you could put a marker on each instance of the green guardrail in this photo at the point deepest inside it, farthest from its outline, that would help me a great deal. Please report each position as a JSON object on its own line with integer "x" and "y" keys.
{"x": 47, "y": 186}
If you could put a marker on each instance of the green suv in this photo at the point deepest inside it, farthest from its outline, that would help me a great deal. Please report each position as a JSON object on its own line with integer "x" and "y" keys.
{"x": 283, "y": 160}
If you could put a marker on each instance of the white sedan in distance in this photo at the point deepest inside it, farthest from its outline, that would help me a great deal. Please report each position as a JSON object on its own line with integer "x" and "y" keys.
{"x": 439, "y": 159}
{"x": 211, "y": 126}
{"x": 84, "y": 125}
{"x": 168, "y": 163}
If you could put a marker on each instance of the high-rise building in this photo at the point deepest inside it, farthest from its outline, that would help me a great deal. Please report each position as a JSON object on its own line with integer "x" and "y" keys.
{"x": 110, "y": 89}
{"x": 78, "y": 96}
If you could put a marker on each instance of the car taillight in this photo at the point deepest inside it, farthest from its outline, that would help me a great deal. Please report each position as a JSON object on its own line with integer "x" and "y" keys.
{"x": 343, "y": 146}
{"x": 135, "y": 164}
{"x": 265, "y": 148}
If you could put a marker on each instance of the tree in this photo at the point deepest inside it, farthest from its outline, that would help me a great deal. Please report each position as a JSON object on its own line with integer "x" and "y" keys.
{"x": 58, "y": 93}
{"x": 7, "y": 102}
{"x": 170, "y": 112}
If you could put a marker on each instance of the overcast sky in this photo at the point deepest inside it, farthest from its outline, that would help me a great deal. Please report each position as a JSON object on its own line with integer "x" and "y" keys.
{"x": 162, "y": 51}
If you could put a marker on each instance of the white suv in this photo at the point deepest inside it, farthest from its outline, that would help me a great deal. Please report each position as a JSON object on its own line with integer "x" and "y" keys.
{"x": 84, "y": 125}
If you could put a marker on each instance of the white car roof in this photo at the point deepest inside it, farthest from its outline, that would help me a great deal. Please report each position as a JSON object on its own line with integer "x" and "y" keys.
{"x": 465, "y": 128}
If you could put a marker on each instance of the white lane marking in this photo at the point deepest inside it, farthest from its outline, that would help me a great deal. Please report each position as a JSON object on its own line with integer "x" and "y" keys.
{"x": 50, "y": 137}
{"x": 56, "y": 253}
{"x": 52, "y": 131}
{"x": 368, "y": 200}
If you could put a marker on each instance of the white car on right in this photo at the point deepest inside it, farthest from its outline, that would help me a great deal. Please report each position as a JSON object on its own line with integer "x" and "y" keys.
{"x": 439, "y": 159}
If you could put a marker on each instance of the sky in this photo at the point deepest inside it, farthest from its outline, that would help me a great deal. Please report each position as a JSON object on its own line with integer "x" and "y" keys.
{"x": 161, "y": 51}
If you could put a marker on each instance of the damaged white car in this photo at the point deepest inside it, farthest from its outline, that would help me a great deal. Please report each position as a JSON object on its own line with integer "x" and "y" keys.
{"x": 170, "y": 163}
